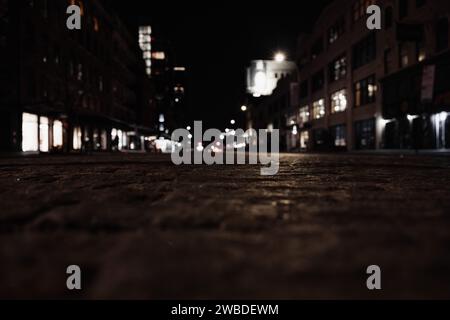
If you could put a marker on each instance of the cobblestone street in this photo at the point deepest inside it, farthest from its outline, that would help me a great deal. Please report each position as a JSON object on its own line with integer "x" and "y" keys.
{"x": 140, "y": 227}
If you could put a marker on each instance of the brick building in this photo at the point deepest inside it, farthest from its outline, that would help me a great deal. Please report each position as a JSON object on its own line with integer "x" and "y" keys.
{"x": 361, "y": 89}
{"x": 66, "y": 90}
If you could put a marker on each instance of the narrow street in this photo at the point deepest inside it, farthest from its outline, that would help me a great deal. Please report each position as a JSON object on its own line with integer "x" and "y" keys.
{"x": 140, "y": 227}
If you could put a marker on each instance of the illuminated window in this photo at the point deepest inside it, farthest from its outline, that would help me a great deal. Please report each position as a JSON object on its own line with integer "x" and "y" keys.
{"x": 104, "y": 139}
{"x": 57, "y": 134}
{"x": 160, "y": 55}
{"x": 304, "y": 114}
{"x": 319, "y": 109}
{"x": 304, "y": 139}
{"x": 43, "y": 134}
{"x": 339, "y": 101}
{"x": 404, "y": 58}
{"x": 145, "y": 43}
{"x": 337, "y": 69}
{"x": 420, "y": 51}
{"x": 77, "y": 138}
{"x": 365, "y": 91}
{"x": 30, "y": 132}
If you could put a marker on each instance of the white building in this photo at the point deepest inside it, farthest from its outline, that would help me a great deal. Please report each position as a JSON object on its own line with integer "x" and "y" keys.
{"x": 263, "y": 75}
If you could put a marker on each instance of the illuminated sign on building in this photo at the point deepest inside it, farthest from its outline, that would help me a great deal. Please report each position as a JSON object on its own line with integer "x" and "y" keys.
{"x": 145, "y": 42}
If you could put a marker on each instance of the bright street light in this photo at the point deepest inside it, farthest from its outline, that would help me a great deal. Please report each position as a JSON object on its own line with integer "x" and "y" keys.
{"x": 280, "y": 57}
{"x": 244, "y": 108}
{"x": 232, "y": 122}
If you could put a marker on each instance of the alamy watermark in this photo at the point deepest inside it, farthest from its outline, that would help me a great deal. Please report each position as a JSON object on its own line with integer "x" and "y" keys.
{"x": 373, "y": 21}
{"x": 233, "y": 147}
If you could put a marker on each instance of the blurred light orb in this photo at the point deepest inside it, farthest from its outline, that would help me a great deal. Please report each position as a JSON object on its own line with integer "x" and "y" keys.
{"x": 280, "y": 57}
{"x": 199, "y": 147}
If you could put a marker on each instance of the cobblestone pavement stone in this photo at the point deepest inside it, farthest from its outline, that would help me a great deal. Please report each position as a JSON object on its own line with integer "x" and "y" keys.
{"x": 140, "y": 227}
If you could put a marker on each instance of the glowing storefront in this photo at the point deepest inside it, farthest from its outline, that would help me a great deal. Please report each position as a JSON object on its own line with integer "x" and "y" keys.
{"x": 41, "y": 133}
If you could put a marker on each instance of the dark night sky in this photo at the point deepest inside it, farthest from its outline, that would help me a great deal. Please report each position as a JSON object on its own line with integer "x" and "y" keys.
{"x": 216, "y": 41}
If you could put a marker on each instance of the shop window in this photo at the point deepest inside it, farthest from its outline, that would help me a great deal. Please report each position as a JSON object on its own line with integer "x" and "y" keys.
{"x": 77, "y": 138}
{"x": 304, "y": 139}
{"x": 57, "y": 134}
{"x": 43, "y": 134}
{"x": 339, "y": 136}
{"x": 365, "y": 134}
{"x": 30, "y": 132}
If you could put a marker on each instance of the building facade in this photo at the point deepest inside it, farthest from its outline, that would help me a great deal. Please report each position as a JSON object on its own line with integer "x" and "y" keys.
{"x": 67, "y": 89}
{"x": 350, "y": 77}
{"x": 361, "y": 89}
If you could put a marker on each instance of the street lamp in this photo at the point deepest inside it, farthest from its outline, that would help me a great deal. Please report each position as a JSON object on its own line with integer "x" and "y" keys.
{"x": 232, "y": 121}
{"x": 280, "y": 57}
{"x": 244, "y": 108}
